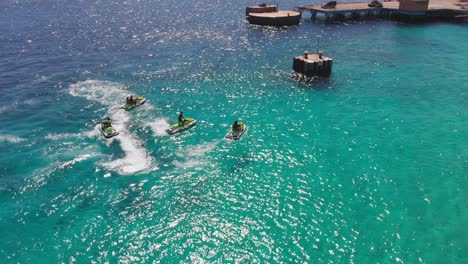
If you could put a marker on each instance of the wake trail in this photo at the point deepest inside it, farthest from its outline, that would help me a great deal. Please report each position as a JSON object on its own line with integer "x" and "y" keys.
{"x": 137, "y": 158}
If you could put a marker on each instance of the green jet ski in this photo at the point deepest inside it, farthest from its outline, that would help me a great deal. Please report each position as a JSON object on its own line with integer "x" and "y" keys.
{"x": 134, "y": 102}
{"x": 176, "y": 128}
{"x": 235, "y": 135}
{"x": 106, "y": 129}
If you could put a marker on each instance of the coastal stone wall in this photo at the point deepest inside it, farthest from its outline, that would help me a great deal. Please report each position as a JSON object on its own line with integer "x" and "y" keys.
{"x": 414, "y": 5}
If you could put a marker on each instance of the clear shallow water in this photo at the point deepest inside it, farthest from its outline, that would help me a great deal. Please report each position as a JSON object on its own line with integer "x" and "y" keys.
{"x": 368, "y": 166}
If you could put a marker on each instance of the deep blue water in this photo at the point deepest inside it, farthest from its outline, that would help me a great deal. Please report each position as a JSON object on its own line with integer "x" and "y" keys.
{"x": 367, "y": 166}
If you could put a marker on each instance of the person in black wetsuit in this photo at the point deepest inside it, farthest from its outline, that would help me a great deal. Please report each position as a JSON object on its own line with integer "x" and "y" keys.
{"x": 181, "y": 118}
{"x": 236, "y": 127}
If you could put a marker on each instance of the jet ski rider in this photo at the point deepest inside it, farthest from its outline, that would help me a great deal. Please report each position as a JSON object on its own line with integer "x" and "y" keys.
{"x": 181, "y": 118}
{"x": 236, "y": 127}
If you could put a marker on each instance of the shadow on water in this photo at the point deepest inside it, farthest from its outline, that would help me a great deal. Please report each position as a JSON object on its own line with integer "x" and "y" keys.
{"x": 315, "y": 82}
{"x": 240, "y": 164}
{"x": 260, "y": 28}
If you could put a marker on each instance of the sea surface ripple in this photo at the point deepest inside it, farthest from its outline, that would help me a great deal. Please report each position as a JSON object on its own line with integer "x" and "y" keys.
{"x": 366, "y": 166}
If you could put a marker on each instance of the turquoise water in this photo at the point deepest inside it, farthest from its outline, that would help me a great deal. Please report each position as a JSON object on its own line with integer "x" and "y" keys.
{"x": 367, "y": 166}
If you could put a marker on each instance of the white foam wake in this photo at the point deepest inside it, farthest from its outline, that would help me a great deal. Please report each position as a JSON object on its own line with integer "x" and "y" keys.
{"x": 104, "y": 92}
{"x": 3, "y": 109}
{"x": 202, "y": 149}
{"x": 11, "y": 138}
{"x": 20, "y": 103}
{"x": 159, "y": 126}
{"x": 62, "y": 136}
{"x": 75, "y": 160}
{"x": 90, "y": 134}
{"x": 195, "y": 156}
{"x": 136, "y": 157}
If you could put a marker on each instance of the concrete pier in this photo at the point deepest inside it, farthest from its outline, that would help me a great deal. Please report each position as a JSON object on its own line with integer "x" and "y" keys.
{"x": 447, "y": 10}
{"x": 313, "y": 64}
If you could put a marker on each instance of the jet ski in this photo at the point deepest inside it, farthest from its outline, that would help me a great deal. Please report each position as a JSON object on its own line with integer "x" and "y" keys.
{"x": 176, "y": 128}
{"x": 235, "y": 135}
{"x": 106, "y": 129}
{"x": 137, "y": 101}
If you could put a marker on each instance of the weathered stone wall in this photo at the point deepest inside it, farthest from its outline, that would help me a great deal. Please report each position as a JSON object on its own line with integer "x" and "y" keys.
{"x": 414, "y": 5}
